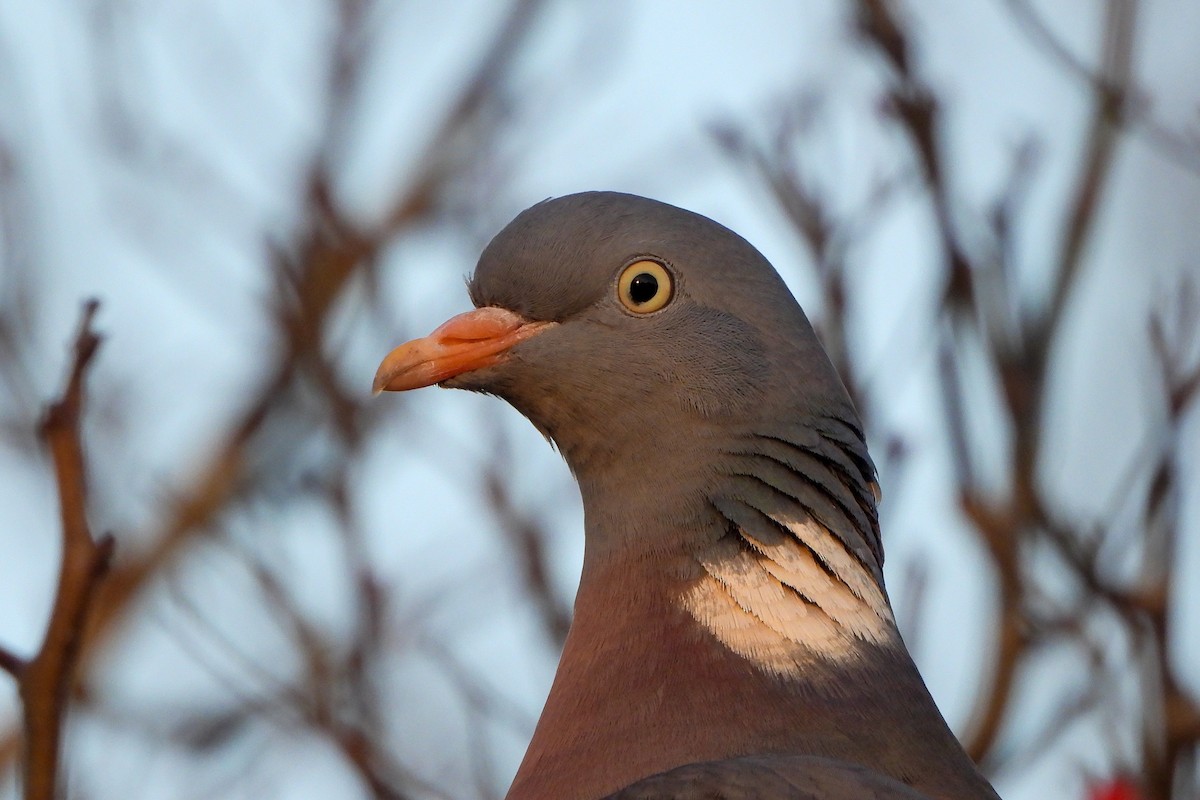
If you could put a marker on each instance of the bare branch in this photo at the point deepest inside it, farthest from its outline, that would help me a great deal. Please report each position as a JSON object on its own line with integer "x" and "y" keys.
{"x": 329, "y": 253}
{"x": 1134, "y": 112}
{"x": 527, "y": 538}
{"x": 1100, "y": 146}
{"x": 45, "y": 681}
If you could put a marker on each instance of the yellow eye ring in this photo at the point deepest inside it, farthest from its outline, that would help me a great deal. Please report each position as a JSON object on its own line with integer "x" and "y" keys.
{"x": 645, "y": 286}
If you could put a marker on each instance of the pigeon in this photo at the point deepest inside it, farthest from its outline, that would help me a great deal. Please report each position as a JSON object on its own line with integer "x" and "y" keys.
{"x": 732, "y": 636}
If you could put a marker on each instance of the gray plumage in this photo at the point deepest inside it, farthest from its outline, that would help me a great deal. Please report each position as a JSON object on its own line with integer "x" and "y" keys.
{"x": 731, "y": 614}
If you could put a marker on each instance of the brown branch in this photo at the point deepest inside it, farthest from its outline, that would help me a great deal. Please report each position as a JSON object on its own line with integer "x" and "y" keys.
{"x": 45, "y": 681}
{"x": 827, "y": 234}
{"x": 11, "y": 663}
{"x": 527, "y": 538}
{"x": 1001, "y": 535}
{"x": 1109, "y": 97}
{"x": 916, "y": 107}
{"x": 329, "y": 253}
{"x": 801, "y": 202}
{"x": 1006, "y": 525}
{"x": 917, "y": 113}
{"x": 1168, "y": 749}
{"x": 1134, "y": 112}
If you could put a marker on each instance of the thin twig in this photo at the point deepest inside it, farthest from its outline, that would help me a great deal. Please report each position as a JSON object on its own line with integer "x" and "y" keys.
{"x": 527, "y": 538}
{"x": 1134, "y": 113}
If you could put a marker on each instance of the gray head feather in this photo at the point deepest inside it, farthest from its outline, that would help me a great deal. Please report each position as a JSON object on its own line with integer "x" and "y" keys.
{"x": 663, "y": 396}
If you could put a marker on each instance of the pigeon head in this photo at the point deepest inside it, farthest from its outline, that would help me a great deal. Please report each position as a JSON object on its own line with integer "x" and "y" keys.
{"x": 642, "y": 339}
{"x": 621, "y": 326}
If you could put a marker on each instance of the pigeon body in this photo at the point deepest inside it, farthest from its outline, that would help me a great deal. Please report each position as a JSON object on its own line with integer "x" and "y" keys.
{"x": 732, "y": 636}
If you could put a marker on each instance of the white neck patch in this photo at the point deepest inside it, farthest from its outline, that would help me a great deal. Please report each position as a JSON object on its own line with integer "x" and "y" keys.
{"x": 781, "y": 597}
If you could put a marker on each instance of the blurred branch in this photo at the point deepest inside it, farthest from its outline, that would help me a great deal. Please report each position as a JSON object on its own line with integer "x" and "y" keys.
{"x": 826, "y": 234}
{"x": 1133, "y": 111}
{"x": 985, "y": 321}
{"x": 527, "y": 538}
{"x": 45, "y": 681}
{"x": 1109, "y": 97}
{"x": 1171, "y": 747}
{"x": 484, "y": 703}
{"x": 918, "y": 112}
{"x": 978, "y": 293}
{"x": 1024, "y": 369}
{"x": 805, "y": 209}
{"x": 321, "y": 698}
{"x": 329, "y": 252}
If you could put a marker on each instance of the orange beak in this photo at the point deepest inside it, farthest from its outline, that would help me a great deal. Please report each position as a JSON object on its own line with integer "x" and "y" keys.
{"x": 469, "y": 341}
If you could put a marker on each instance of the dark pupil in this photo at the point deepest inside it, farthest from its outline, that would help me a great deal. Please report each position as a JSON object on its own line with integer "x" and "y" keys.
{"x": 643, "y": 288}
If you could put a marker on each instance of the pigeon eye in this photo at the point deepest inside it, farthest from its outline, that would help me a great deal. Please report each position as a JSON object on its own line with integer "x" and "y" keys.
{"x": 644, "y": 286}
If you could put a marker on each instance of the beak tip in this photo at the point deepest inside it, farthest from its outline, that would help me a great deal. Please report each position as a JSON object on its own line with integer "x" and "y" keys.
{"x": 379, "y": 384}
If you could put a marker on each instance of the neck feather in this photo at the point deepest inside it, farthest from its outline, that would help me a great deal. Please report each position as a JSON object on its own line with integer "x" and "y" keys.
{"x": 765, "y": 629}
{"x": 783, "y": 592}
{"x": 796, "y": 573}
